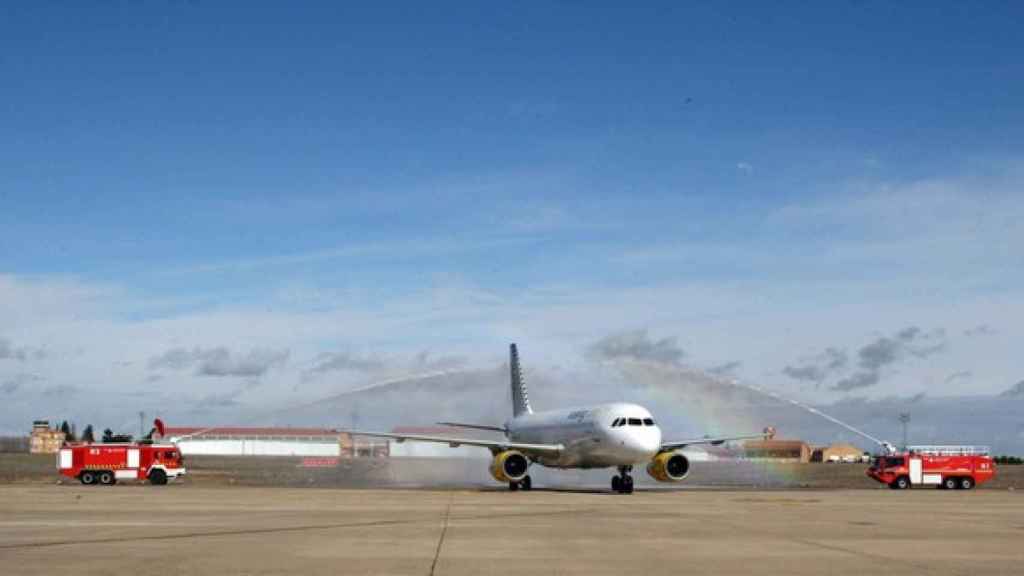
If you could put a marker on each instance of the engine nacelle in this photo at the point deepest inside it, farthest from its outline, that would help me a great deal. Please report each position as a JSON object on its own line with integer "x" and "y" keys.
{"x": 509, "y": 466}
{"x": 669, "y": 467}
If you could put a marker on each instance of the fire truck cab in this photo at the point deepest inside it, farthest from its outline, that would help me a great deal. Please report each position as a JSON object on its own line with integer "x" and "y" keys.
{"x": 107, "y": 463}
{"x": 950, "y": 467}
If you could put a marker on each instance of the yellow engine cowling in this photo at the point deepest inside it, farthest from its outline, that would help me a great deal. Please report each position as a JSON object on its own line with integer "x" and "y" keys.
{"x": 509, "y": 466}
{"x": 669, "y": 467}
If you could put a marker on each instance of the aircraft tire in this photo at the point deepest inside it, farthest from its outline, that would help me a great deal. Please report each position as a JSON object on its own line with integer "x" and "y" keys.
{"x": 513, "y": 486}
{"x": 616, "y": 484}
{"x": 526, "y": 483}
{"x": 627, "y": 485}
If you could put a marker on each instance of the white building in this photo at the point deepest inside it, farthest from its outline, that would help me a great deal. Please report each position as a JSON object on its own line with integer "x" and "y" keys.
{"x": 414, "y": 449}
{"x": 238, "y": 441}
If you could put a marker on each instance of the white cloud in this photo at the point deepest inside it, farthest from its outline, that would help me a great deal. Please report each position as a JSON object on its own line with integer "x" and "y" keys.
{"x": 878, "y": 261}
{"x": 636, "y": 345}
{"x": 220, "y": 361}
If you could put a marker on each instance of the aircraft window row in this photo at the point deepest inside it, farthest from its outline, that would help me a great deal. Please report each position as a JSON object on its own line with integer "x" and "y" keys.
{"x": 632, "y": 422}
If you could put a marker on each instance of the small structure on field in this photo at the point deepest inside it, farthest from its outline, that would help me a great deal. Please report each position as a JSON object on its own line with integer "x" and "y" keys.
{"x": 45, "y": 440}
{"x": 792, "y": 450}
{"x": 841, "y": 452}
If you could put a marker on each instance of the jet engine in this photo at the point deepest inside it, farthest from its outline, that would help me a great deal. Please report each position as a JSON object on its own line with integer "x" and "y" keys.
{"x": 669, "y": 467}
{"x": 509, "y": 466}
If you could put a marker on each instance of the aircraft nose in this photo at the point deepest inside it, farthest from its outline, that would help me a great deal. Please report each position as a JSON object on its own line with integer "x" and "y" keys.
{"x": 644, "y": 445}
{"x": 652, "y": 441}
{"x": 656, "y": 439}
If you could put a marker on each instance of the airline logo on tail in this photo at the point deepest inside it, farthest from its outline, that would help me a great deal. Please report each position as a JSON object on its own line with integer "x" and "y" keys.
{"x": 520, "y": 398}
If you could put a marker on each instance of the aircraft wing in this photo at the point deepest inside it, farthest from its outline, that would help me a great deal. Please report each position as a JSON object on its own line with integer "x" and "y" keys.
{"x": 487, "y": 427}
{"x": 713, "y": 440}
{"x": 492, "y": 445}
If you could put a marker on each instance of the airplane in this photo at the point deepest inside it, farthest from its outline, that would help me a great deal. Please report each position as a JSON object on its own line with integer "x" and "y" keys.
{"x": 617, "y": 435}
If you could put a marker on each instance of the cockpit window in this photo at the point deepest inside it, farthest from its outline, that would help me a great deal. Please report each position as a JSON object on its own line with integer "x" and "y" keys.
{"x": 617, "y": 423}
{"x": 634, "y": 422}
{"x": 648, "y": 422}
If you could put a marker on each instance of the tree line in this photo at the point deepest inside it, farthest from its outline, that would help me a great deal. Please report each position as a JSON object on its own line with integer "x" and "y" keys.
{"x": 88, "y": 435}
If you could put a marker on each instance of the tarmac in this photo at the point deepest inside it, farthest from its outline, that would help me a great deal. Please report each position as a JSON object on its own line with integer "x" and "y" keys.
{"x": 189, "y": 529}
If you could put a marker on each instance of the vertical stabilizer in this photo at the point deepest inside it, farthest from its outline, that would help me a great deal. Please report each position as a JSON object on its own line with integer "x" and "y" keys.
{"x": 520, "y": 399}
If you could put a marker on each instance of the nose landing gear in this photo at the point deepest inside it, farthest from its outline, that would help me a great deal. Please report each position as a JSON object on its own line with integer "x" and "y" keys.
{"x": 623, "y": 483}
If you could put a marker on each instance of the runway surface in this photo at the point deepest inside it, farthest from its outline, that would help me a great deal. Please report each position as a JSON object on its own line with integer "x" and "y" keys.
{"x": 196, "y": 530}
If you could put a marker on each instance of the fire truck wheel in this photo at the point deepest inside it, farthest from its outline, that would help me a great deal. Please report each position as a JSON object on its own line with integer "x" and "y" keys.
{"x": 949, "y": 483}
{"x": 158, "y": 477}
{"x": 106, "y": 478}
{"x": 87, "y": 478}
{"x": 967, "y": 483}
{"x": 902, "y": 483}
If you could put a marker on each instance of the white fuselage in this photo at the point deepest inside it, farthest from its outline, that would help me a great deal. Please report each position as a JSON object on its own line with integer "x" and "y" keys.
{"x": 596, "y": 437}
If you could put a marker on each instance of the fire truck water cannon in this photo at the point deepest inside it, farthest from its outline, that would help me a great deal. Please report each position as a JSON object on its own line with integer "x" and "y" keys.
{"x": 150, "y": 459}
{"x": 950, "y": 467}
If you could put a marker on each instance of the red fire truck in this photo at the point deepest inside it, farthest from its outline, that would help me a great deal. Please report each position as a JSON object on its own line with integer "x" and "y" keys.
{"x": 108, "y": 462}
{"x": 950, "y": 467}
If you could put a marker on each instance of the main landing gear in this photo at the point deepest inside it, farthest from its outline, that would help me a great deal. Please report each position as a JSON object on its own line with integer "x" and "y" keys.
{"x": 526, "y": 484}
{"x": 623, "y": 483}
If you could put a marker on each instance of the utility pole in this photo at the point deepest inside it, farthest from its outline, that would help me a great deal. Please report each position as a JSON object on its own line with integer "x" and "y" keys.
{"x": 142, "y": 424}
{"x": 904, "y": 420}
{"x": 354, "y": 419}
{"x": 354, "y": 416}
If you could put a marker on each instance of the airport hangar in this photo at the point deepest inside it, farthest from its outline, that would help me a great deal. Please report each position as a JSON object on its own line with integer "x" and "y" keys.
{"x": 267, "y": 441}
{"x": 313, "y": 442}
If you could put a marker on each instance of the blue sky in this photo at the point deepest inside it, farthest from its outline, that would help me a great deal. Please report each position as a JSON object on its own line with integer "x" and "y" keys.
{"x": 759, "y": 182}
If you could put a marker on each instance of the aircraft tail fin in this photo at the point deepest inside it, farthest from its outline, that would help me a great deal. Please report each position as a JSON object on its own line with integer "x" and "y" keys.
{"x": 520, "y": 398}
